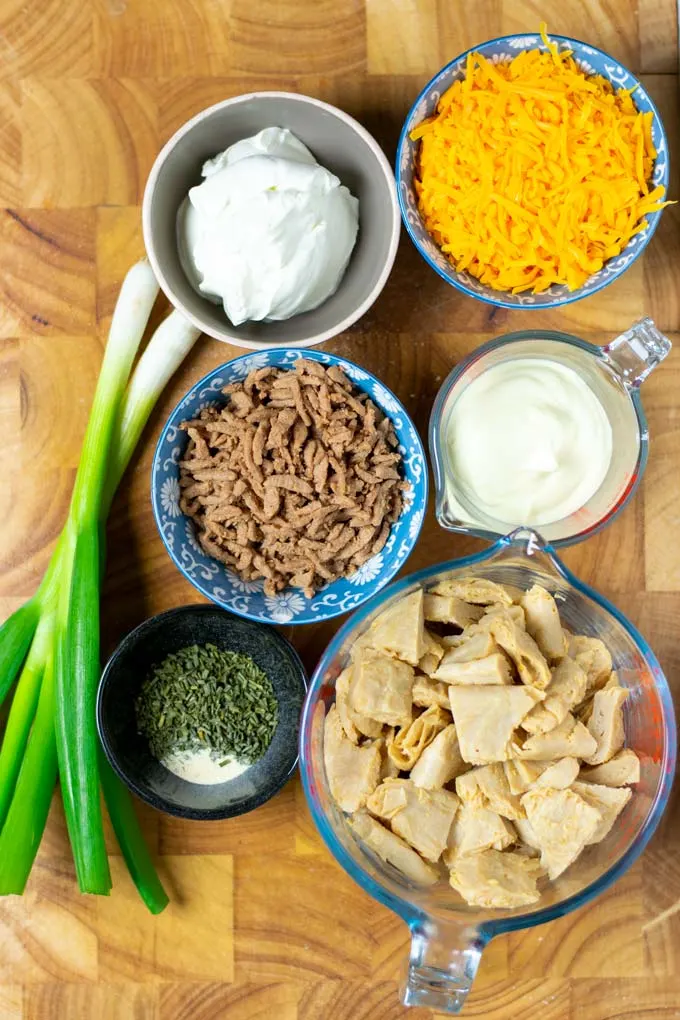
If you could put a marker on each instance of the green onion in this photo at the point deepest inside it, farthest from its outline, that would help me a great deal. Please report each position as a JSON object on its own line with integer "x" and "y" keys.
{"x": 77, "y": 671}
{"x": 16, "y": 635}
{"x": 22, "y": 713}
{"x": 27, "y": 815}
{"x": 165, "y": 352}
{"x": 51, "y": 724}
{"x": 130, "y": 317}
{"x": 131, "y": 840}
{"x": 77, "y": 741}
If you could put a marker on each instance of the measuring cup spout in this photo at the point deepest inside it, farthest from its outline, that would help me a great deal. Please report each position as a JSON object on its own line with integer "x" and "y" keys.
{"x": 442, "y": 966}
{"x": 530, "y": 544}
{"x": 637, "y": 352}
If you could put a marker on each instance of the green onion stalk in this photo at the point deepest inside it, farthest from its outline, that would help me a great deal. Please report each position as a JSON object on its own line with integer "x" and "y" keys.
{"x": 50, "y": 646}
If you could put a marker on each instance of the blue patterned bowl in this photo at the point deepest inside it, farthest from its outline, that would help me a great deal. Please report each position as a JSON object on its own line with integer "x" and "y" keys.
{"x": 592, "y": 61}
{"x": 223, "y": 586}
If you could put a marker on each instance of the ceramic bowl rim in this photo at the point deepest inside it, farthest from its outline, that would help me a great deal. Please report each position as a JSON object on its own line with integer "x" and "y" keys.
{"x": 157, "y": 264}
{"x": 155, "y": 801}
{"x": 486, "y": 297}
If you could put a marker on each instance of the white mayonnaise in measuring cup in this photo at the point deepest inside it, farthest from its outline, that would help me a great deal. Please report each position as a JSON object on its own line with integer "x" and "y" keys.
{"x": 543, "y": 429}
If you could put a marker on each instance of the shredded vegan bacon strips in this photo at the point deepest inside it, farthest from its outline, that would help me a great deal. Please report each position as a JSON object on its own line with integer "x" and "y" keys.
{"x": 532, "y": 173}
{"x": 297, "y": 480}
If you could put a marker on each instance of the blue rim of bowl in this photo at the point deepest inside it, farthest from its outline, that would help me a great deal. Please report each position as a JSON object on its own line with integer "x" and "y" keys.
{"x": 496, "y": 926}
{"x": 154, "y": 800}
{"x": 500, "y": 303}
{"x": 373, "y": 587}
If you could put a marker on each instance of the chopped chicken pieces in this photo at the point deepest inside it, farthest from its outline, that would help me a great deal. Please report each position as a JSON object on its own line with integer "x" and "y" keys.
{"x": 353, "y": 772}
{"x": 434, "y": 652}
{"x": 440, "y": 762}
{"x": 522, "y": 774}
{"x": 478, "y": 828}
{"x": 593, "y": 657}
{"x": 400, "y": 630}
{"x": 513, "y": 615}
{"x": 609, "y": 801}
{"x": 528, "y": 840}
{"x": 497, "y": 697}
{"x": 487, "y": 786}
{"x": 566, "y": 690}
{"x": 559, "y": 774}
{"x": 478, "y": 591}
{"x": 584, "y": 710}
{"x": 543, "y": 622}
{"x": 622, "y": 769}
{"x": 422, "y": 817}
{"x": 486, "y": 718}
{"x": 606, "y": 724}
{"x": 494, "y": 669}
{"x": 529, "y": 660}
{"x": 354, "y": 724}
{"x": 467, "y": 647}
{"x": 563, "y": 824}
{"x": 381, "y": 688}
{"x": 411, "y": 741}
{"x": 449, "y": 609}
{"x": 344, "y": 713}
{"x": 568, "y": 740}
{"x": 495, "y": 880}
{"x": 428, "y": 692}
{"x": 393, "y": 849}
{"x": 388, "y": 769}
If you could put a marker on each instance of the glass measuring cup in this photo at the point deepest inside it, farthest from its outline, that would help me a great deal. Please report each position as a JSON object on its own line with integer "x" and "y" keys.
{"x": 447, "y": 936}
{"x": 614, "y": 373}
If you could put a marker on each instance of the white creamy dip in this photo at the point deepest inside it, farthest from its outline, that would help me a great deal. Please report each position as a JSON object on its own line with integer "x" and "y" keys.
{"x": 269, "y": 232}
{"x": 203, "y": 766}
{"x": 529, "y": 442}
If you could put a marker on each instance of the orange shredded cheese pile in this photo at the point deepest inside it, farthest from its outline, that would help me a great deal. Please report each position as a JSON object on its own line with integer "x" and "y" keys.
{"x": 532, "y": 173}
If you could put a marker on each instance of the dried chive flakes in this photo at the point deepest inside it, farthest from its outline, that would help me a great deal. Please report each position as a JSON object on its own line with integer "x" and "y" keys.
{"x": 203, "y": 697}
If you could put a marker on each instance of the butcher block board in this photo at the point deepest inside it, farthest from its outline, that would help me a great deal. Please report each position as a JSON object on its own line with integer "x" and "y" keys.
{"x": 263, "y": 923}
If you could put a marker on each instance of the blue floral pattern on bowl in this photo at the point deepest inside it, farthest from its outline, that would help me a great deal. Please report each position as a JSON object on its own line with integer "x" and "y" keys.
{"x": 592, "y": 61}
{"x": 247, "y": 598}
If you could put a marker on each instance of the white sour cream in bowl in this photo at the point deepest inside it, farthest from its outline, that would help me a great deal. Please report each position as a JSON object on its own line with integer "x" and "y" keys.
{"x": 528, "y": 441}
{"x": 269, "y": 232}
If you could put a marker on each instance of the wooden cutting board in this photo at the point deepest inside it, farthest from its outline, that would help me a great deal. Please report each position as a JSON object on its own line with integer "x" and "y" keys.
{"x": 263, "y": 923}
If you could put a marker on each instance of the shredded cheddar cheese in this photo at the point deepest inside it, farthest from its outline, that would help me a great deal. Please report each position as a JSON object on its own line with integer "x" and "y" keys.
{"x": 532, "y": 173}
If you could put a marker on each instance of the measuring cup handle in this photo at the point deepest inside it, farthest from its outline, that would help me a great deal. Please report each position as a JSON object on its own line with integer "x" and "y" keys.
{"x": 638, "y": 351}
{"x": 442, "y": 966}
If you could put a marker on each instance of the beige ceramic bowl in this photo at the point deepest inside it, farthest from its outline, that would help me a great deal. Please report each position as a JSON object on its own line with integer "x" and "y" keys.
{"x": 339, "y": 143}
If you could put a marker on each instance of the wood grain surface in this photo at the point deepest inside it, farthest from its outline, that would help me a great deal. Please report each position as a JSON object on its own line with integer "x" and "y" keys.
{"x": 263, "y": 923}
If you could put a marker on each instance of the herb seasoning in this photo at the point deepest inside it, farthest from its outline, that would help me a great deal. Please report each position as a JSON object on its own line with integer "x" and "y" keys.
{"x": 202, "y": 700}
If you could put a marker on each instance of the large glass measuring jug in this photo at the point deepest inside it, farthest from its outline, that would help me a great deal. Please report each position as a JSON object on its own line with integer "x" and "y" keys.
{"x": 448, "y": 937}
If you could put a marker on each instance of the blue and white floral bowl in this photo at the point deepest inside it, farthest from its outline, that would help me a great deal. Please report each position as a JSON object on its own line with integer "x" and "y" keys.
{"x": 592, "y": 61}
{"x": 247, "y": 598}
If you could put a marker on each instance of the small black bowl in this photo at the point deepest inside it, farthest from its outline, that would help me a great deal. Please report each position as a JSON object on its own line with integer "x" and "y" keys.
{"x": 129, "y": 752}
